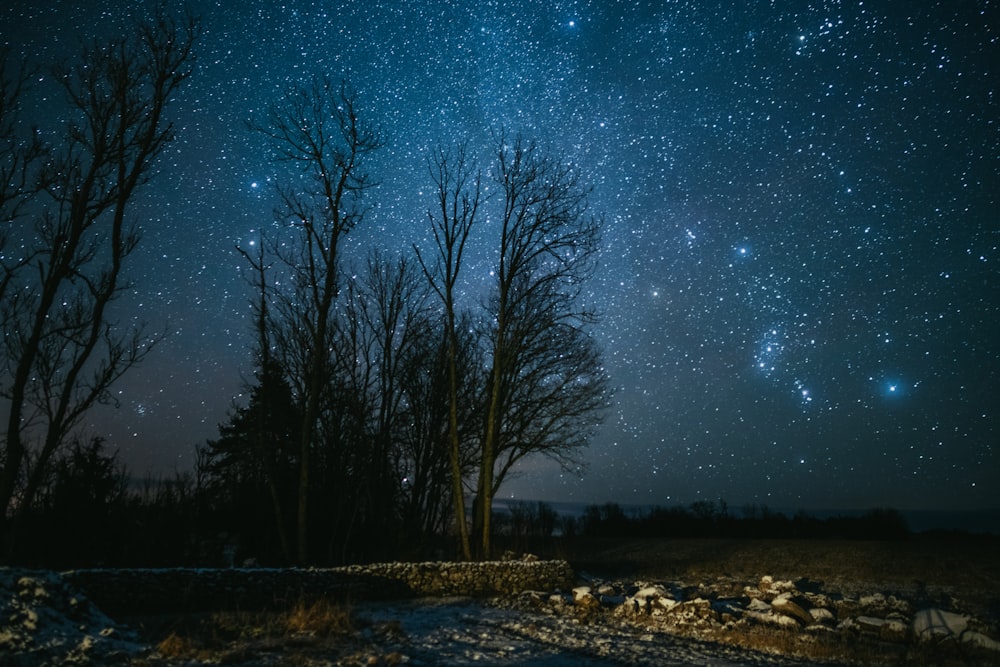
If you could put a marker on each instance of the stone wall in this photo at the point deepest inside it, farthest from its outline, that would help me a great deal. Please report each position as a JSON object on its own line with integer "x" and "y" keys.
{"x": 189, "y": 589}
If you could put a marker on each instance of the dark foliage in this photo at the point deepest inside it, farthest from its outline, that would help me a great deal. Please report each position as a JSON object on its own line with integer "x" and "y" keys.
{"x": 248, "y": 474}
{"x": 89, "y": 515}
{"x": 713, "y": 520}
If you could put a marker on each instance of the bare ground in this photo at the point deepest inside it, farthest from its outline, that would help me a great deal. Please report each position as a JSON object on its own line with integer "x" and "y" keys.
{"x": 957, "y": 574}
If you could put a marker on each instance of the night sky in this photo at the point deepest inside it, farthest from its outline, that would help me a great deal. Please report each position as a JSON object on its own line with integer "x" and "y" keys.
{"x": 799, "y": 274}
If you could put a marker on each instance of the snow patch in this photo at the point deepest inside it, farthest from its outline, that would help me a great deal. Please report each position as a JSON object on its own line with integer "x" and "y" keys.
{"x": 46, "y": 622}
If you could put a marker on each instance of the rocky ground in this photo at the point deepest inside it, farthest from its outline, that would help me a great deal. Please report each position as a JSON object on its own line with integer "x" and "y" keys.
{"x": 645, "y": 603}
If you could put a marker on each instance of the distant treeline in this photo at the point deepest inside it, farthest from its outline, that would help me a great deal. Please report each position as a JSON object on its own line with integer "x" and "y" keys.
{"x": 90, "y": 513}
{"x": 535, "y": 526}
{"x": 714, "y": 519}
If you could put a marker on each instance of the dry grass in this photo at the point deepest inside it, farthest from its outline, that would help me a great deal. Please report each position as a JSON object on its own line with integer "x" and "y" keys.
{"x": 176, "y": 646}
{"x": 320, "y": 618}
{"x": 231, "y": 636}
{"x": 972, "y": 561}
{"x": 853, "y": 649}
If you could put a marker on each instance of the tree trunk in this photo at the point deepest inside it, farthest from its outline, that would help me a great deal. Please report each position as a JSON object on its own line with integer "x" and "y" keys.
{"x": 455, "y": 451}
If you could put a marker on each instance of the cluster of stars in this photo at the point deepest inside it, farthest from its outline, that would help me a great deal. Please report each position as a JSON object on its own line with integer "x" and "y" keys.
{"x": 808, "y": 191}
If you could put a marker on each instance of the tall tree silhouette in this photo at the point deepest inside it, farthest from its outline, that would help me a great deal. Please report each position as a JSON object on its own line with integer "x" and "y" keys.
{"x": 459, "y": 192}
{"x": 546, "y": 385}
{"x": 61, "y": 353}
{"x": 317, "y": 132}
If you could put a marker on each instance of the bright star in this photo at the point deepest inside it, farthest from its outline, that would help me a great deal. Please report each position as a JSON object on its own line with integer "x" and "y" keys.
{"x": 890, "y": 387}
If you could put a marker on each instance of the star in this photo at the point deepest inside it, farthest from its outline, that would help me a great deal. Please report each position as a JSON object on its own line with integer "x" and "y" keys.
{"x": 783, "y": 253}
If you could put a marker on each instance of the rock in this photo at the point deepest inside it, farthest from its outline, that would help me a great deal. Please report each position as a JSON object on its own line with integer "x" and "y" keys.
{"x": 186, "y": 589}
{"x": 652, "y": 600}
{"x": 770, "y": 618}
{"x": 582, "y": 597}
{"x": 785, "y": 605}
{"x": 666, "y": 603}
{"x": 822, "y": 615}
{"x": 980, "y": 640}
{"x": 880, "y": 604}
{"x": 783, "y": 586}
{"x": 701, "y": 610}
{"x": 887, "y": 629}
{"x": 607, "y": 590}
{"x": 894, "y": 630}
{"x": 642, "y": 595}
{"x": 728, "y": 610}
{"x": 869, "y": 623}
{"x": 697, "y": 610}
{"x": 876, "y": 600}
{"x": 936, "y": 624}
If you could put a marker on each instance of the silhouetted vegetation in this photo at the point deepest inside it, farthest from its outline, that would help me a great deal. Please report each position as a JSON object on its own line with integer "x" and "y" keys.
{"x": 376, "y": 411}
{"x": 714, "y": 520}
{"x": 66, "y": 238}
{"x": 90, "y": 513}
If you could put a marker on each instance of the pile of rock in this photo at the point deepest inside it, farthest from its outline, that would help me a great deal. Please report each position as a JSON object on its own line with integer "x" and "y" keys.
{"x": 508, "y": 577}
{"x": 185, "y": 589}
{"x": 801, "y": 606}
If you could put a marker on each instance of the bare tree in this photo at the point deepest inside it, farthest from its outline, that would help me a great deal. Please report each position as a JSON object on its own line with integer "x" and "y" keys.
{"x": 422, "y": 459}
{"x": 394, "y": 309}
{"x": 425, "y": 443}
{"x": 555, "y": 390}
{"x": 20, "y": 176}
{"x": 317, "y": 132}
{"x": 459, "y": 192}
{"x": 545, "y": 384}
{"x": 61, "y": 352}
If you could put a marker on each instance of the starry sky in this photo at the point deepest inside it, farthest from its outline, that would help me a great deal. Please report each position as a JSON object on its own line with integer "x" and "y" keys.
{"x": 799, "y": 271}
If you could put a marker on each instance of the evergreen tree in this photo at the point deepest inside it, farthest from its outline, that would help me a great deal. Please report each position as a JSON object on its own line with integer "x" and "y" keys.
{"x": 250, "y": 470}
